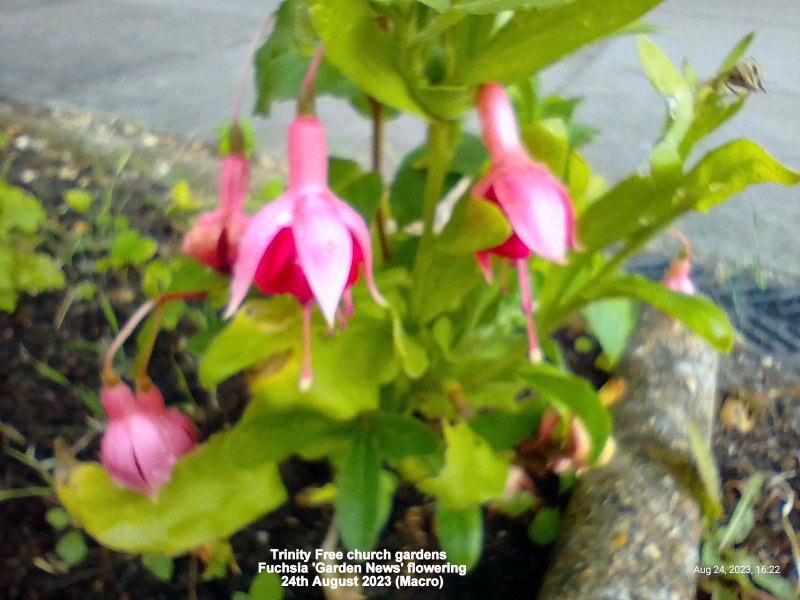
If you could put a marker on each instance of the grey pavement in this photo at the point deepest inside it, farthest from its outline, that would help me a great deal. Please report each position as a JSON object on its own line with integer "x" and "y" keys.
{"x": 174, "y": 64}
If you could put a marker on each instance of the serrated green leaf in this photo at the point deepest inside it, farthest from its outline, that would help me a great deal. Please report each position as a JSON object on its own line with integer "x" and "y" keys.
{"x": 472, "y": 472}
{"x": 503, "y": 429}
{"x": 37, "y": 272}
{"x": 547, "y": 140}
{"x": 475, "y": 225}
{"x": 444, "y": 280}
{"x": 737, "y": 53}
{"x": 486, "y": 7}
{"x": 207, "y": 499}
{"x": 131, "y": 249}
{"x": 460, "y": 533}
{"x": 19, "y": 211}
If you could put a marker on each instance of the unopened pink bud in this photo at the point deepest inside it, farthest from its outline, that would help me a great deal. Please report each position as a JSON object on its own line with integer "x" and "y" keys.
{"x": 143, "y": 439}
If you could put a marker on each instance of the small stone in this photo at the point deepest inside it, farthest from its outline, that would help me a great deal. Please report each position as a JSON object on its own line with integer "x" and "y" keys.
{"x": 149, "y": 140}
{"x": 23, "y": 142}
{"x": 652, "y": 551}
{"x": 767, "y": 361}
{"x": 619, "y": 540}
{"x": 67, "y": 172}
{"x": 27, "y": 175}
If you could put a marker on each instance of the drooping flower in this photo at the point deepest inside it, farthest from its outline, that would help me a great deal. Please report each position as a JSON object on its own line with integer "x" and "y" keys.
{"x": 143, "y": 439}
{"x": 677, "y": 276}
{"x": 214, "y": 238}
{"x": 307, "y": 243}
{"x": 536, "y": 205}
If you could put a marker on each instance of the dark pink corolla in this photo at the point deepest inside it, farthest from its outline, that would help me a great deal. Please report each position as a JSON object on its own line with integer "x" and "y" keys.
{"x": 214, "y": 238}
{"x": 143, "y": 439}
{"x": 307, "y": 243}
{"x": 536, "y": 205}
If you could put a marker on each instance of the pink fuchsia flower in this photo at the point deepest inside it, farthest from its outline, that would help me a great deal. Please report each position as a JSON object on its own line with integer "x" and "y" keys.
{"x": 677, "y": 276}
{"x": 307, "y": 243}
{"x": 143, "y": 439}
{"x": 214, "y": 238}
{"x": 536, "y": 205}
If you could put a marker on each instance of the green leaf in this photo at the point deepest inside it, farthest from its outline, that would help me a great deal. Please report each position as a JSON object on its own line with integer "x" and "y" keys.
{"x": 576, "y": 395}
{"x": 707, "y": 470}
{"x": 363, "y": 51}
{"x": 534, "y": 39}
{"x": 699, "y": 314}
{"x": 130, "y": 248}
{"x": 780, "y": 587}
{"x": 262, "y": 328}
{"x": 362, "y": 190}
{"x": 460, "y": 533}
{"x": 737, "y": 53}
{"x": 341, "y": 389}
{"x": 710, "y": 113}
{"x": 71, "y": 548}
{"x": 283, "y": 60}
{"x": 159, "y": 565}
{"x": 743, "y": 518}
{"x": 357, "y": 494}
{"x": 475, "y": 225}
{"x": 486, "y": 7}
{"x": 19, "y": 211}
{"x": 79, "y": 200}
{"x": 400, "y": 436}
{"x": 547, "y": 141}
{"x": 472, "y": 472}
{"x": 207, "y": 499}
{"x": 729, "y": 169}
{"x": 444, "y": 281}
{"x": 671, "y": 85}
{"x": 266, "y": 586}
{"x": 269, "y": 437}
{"x": 410, "y": 353}
{"x": 502, "y": 429}
{"x": 58, "y": 518}
{"x": 612, "y": 321}
{"x": 37, "y": 272}
{"x": 545, "y": 527}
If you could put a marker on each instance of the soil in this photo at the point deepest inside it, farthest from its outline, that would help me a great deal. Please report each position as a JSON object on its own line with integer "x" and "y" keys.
{"x": 36, "y": 409}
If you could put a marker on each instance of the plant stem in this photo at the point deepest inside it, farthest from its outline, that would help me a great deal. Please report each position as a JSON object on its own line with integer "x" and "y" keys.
{"x": 377, "y": 167}
{"x": 305, "y": 99}
{"x": 26, "y": 492}
{"x": 251, "y": 52}
{"x": 147, "y": 351}
{"x": 439, "y": 154}
{"x": 124, "y": 334}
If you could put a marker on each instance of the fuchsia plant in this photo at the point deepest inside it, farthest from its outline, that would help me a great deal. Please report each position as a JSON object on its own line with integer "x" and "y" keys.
{"x": 433, "y": 389}
{"x": 536, "y": 204}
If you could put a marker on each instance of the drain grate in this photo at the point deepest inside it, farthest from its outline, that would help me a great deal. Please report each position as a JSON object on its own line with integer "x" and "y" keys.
{"x": 766, "y": 313}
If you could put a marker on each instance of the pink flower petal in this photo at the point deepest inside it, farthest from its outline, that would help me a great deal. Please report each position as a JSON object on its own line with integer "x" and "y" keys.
{"x": 538, "y": 209}
{"x": 325, "y": 249}
{"x": 262, "y": 229}
{"x": 484, "y": 258}
{"x": 153, "y": 452}
{"x": 234, "y": 181}
{"x": 118, "y": 400}
{"x": 180, "y": 430}
{"x": 119, "y": 460}
{"x": 358, "y": 228}
{"x": 498, "y": 122}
